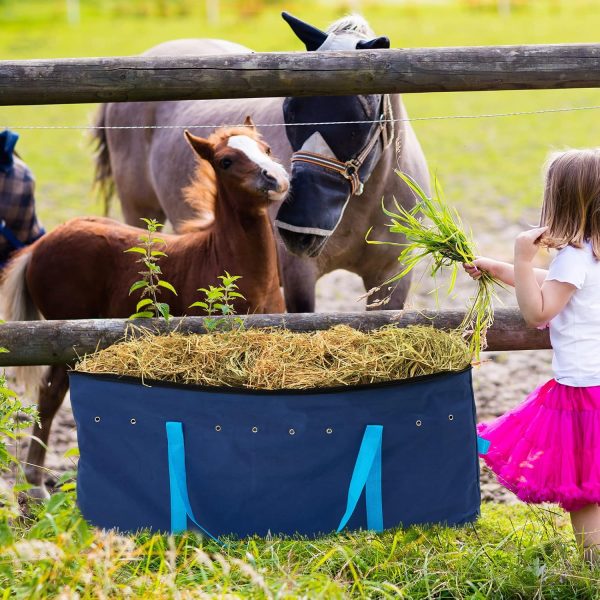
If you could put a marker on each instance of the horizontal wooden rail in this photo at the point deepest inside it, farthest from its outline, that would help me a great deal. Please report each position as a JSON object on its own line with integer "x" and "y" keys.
{"x": 57, "y": 342}
{"x": 120, "y": 79}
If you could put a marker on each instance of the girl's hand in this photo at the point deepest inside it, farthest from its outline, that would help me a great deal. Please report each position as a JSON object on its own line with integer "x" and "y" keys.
{"x": 480, "y": 266}
{"x": 526, "y": 244}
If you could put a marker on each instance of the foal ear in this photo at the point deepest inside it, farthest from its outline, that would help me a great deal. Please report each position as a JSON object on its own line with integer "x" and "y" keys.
{"x": 248, "y": 122}
{"x": 203, "y": 148}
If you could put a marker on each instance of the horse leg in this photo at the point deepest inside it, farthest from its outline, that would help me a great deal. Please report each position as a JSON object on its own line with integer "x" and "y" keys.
{"x": 388, "y": 297}
{"x": 133, "y": 213}
{"x": 51, "y": 395}
{"x": 299, "y": 277}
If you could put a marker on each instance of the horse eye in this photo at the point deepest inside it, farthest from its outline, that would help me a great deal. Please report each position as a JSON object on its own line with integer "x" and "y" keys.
{"x": 226, "y": 163}
{"x": 268, "y": 151}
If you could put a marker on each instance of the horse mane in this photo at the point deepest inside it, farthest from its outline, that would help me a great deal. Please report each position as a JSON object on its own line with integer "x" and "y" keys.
{"x": 201, "y": 193}
{"x": 352, "y": 24}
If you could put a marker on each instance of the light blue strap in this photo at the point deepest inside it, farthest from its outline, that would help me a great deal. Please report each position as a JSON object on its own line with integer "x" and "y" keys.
{"x": 367, "y": 472}
{"x": 373, "y": 492}
{"x": 483, "y": 445}
{"x": 180, "y": 502}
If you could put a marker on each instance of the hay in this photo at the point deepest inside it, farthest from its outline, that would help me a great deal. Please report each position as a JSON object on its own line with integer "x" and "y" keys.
{"x": 279, "y": 359}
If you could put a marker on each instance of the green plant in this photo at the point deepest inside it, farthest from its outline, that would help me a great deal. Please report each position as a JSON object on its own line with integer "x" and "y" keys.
{"x": 442, "y": 240}
{"x": 151, "y": 283}
{"x": 12, "y": 423}
{"x": 218, "y": 300}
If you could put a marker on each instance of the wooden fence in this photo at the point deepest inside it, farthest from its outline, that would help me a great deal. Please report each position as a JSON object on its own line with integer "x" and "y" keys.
{"x": 79, "y": 80}
{"x": 282, "y": 74}
{"x": 58, "y": 342}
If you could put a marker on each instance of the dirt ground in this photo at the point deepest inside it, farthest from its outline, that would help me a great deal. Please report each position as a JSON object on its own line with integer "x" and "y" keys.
{"x": 500, "y": 382}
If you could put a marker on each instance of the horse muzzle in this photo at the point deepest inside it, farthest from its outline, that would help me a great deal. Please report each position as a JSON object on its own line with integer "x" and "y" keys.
{"x": 312, "y": 210}
{"x": 303, "y": 244}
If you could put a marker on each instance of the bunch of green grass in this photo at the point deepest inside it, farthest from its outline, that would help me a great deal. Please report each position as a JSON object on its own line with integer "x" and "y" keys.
{"x": 435, "y": 232}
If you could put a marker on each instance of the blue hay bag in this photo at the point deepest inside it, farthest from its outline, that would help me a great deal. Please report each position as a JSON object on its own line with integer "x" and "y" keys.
{"x": 241, "y": 462}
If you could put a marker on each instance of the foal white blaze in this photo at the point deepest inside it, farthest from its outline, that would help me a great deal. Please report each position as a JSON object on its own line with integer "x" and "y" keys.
{"x": 254, "y": 152}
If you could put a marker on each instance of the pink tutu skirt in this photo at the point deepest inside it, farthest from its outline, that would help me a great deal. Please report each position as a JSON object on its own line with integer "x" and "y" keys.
{"x": 548, "y": 448}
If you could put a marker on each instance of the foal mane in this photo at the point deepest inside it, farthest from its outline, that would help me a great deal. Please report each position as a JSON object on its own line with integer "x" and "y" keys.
{"x": 201, "y": 193}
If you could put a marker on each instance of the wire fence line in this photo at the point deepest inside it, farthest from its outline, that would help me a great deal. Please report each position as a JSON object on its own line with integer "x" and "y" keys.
{"x": 398, "y": 120}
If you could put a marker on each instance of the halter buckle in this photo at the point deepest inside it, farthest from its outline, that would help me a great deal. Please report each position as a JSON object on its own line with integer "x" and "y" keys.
{"x": 351, "y": 173}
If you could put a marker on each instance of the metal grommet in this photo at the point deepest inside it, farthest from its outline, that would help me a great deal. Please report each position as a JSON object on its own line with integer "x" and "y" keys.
{"x": 450, "y": 417}
{"x": 419, "y": 423}
{"x": 97, "y": 419}
{"x": 292, "y": 431}
{"x": 329, "y": 430}
{"x": 254, "y": 429}
{"x": 217, "y": 428}
{"x": 133, "y": 421}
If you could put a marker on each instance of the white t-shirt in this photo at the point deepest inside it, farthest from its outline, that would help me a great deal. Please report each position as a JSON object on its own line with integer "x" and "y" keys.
{"x": 575, "y": 331}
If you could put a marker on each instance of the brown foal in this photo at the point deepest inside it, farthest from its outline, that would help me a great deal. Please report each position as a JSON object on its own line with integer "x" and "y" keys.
{"x": 80, "y": 270}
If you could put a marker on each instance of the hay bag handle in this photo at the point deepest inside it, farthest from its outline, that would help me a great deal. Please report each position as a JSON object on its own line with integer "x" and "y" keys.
{"x": 366, "y": 475}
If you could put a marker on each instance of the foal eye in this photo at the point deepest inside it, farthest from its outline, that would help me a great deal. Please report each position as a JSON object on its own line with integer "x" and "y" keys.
{"x": 226, "y": 163}
{"x": 268, "y": 151}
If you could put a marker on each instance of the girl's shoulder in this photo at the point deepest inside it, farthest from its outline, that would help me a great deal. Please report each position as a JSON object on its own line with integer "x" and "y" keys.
{"x": 575, "y": 266}
{"x": 575, "y": 253}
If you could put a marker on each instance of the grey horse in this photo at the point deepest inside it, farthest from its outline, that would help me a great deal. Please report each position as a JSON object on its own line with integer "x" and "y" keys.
{"x": 340, "y": 173}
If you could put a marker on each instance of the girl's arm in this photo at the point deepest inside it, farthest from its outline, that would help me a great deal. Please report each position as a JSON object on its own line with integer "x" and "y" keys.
{"x": 538, "y": 303}
{"x": 503, "y": 271}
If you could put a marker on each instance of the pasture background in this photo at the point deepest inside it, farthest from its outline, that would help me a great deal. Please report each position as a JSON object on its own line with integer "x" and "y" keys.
{"x": 490, "y": 169}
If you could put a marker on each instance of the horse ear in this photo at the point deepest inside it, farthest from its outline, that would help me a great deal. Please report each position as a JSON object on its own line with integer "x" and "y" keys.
{"x": 203, "y": 148}
{"x": 248, "y": 122}
{"x": 310, "y": 36}
{"x": 380, "y": 42}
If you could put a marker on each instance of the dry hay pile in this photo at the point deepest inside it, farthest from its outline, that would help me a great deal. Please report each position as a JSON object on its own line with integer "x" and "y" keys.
{"x": 281, "y": 359}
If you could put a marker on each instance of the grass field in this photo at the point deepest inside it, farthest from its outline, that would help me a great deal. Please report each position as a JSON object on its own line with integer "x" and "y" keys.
{"x": 489, "y": 167}
{"x": 513, "y": 554}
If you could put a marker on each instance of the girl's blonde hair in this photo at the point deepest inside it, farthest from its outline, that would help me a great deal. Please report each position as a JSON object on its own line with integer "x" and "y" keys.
{"x": 571, "y": 206}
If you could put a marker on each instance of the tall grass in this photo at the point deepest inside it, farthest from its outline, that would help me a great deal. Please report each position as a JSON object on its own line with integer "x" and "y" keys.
{"x": 511, "y": 552}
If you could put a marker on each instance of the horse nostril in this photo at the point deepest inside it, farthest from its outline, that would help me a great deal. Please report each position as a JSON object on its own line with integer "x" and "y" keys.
{"x": 268, "y": 176}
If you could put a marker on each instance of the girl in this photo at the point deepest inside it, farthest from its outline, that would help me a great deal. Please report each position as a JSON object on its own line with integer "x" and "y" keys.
{"x": 548, "y": 448}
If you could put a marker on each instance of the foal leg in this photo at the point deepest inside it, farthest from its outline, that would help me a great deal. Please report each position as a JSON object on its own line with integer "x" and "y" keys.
{"x": 51, "y": 395}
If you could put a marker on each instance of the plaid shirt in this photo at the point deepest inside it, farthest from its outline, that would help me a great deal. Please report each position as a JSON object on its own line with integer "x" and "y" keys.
{"x": 17, "y": 207}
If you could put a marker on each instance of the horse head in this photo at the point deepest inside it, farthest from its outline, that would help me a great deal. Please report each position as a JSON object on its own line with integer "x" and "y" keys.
{"x": 242, "y": 162}
{"x": 331, "y": 162}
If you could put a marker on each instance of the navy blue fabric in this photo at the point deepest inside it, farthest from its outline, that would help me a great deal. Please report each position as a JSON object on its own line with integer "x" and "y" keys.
{"x": 317, "y": 198}
{"x": 243, "y": 482}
